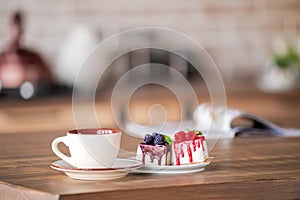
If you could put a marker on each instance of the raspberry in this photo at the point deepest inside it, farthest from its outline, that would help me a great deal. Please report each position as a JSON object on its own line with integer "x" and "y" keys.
{"x": 180, "y": 136}
{"x": 191, "y": 135}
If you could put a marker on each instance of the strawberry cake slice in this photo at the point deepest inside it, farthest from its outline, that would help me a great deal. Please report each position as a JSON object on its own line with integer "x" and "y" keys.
{"x": 189, "y": 147}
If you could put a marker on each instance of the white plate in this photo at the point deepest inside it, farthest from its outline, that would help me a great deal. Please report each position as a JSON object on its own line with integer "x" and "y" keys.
{"x": 120, "y": 168}
{"x": 173, "y": 169}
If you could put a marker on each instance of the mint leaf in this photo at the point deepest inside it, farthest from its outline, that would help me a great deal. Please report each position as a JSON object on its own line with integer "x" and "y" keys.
{"x": 167, "y": 139}
{"x": 197, "y": 132}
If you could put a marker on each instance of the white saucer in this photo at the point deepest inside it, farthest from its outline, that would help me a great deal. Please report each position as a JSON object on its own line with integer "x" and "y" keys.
{"x": 173, "y": 169}
{"x": 120, "y": 168}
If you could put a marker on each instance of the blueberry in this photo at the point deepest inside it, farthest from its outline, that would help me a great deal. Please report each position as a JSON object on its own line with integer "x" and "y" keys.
{"x": 149, "y": 139}
{"x": 159, "y": 139}
{"x": 155, "y": 134}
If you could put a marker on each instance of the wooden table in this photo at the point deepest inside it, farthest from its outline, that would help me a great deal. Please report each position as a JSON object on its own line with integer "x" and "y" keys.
{"x": 253, "y": 168}
{"x": 248, "y": 168}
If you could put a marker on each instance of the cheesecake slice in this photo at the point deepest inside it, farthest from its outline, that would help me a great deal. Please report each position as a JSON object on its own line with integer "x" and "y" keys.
{"x": 189, "y": 147}
{"x": 156, "y": 149}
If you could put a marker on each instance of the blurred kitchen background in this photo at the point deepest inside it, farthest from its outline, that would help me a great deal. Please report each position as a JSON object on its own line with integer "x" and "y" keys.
{"x": 246, "y": 39}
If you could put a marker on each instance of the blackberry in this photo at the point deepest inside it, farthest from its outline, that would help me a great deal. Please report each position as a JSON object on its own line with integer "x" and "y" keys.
{"x": 149, "y": 139}
{"x": 159, "y": 139}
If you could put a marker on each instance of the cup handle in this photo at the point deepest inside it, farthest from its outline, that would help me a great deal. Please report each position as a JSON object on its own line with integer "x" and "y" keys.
{"x": 56, "y": 150}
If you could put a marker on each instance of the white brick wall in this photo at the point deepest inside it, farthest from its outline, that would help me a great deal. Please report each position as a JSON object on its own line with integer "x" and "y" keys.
{"x": 237, "y": 33}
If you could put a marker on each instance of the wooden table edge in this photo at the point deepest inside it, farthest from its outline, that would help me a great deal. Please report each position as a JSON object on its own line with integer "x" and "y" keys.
{"x": 9, "y": 191}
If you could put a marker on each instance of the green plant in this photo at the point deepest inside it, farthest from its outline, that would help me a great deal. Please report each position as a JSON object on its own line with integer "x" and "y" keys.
{"x": 287, "y": 59}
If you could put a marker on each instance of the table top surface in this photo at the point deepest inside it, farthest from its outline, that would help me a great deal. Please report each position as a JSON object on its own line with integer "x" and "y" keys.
{"x": 255, "y": 167}
{"x": 242, "y": 168}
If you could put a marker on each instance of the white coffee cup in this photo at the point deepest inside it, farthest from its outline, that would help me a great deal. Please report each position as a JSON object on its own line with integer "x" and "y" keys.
{"x": 90, "y": 148}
